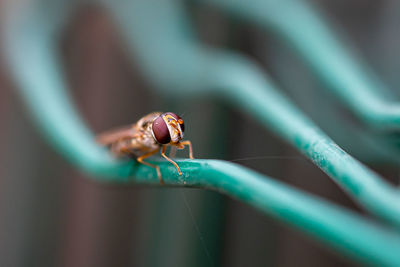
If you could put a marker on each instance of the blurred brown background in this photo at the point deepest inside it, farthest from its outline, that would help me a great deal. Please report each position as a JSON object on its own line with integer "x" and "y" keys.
{"x": 53, "y": 215}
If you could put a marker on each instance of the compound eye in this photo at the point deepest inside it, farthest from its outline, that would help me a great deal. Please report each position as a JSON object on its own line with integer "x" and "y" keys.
{"x": 179, "y": 119}
{"x": 160, "y": 131}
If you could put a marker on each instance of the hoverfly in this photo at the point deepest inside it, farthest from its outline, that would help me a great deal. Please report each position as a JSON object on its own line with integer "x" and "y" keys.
{"x": 146, "y": 137}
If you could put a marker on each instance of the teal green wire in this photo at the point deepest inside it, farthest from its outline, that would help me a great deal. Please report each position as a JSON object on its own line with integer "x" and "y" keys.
{"x": 179, "y": 66}
{"x": 33, "y": 61}
{"x": 347, "y": 75}
{"x": 247, "y": 87}
{"x": 327, "y": 222}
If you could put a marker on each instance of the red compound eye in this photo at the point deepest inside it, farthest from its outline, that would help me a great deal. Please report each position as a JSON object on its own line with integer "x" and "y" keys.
{"x": 179, "y": 119}
{"x": 160, "y": 131}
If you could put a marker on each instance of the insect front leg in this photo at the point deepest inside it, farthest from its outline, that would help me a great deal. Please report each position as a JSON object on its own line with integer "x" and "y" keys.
{"x": 141, "y": 158}
{"x": 170, "y": 160}
{"x": 189, "y": 144}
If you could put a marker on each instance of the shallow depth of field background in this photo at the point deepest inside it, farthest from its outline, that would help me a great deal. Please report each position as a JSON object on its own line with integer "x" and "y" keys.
{"x": 51, "y": 214}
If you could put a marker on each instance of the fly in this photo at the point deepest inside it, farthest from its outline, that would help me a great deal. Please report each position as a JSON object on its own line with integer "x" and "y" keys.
{"x": 152, "y": 133}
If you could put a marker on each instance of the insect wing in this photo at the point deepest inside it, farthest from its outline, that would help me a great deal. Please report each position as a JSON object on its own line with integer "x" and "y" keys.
{"x": 116, "y": 135}
{"x": 136, "y": 139}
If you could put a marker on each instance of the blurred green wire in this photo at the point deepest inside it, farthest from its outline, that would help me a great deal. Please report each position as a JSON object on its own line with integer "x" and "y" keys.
{"x": 33, "y": 60}
{"x": 345, "y": 74}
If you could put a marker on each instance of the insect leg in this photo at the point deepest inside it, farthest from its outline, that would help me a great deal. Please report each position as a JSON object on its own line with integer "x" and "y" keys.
{"x": 141, "y": 158}
{"x": 170, "y": 160}
{"x": 189, "y": 144}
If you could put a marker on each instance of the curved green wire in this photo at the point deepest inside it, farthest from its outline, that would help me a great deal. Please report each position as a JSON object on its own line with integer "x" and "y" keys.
{"x": 31, "y": 48}
{"x": 306, "y": 31}
{"x": 178, "y": 65}
{"x": 329, "y": 223}
{"x": 31, "y": 52}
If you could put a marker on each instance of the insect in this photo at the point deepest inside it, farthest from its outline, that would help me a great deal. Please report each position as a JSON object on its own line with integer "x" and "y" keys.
{"x": 152, "y": 133}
